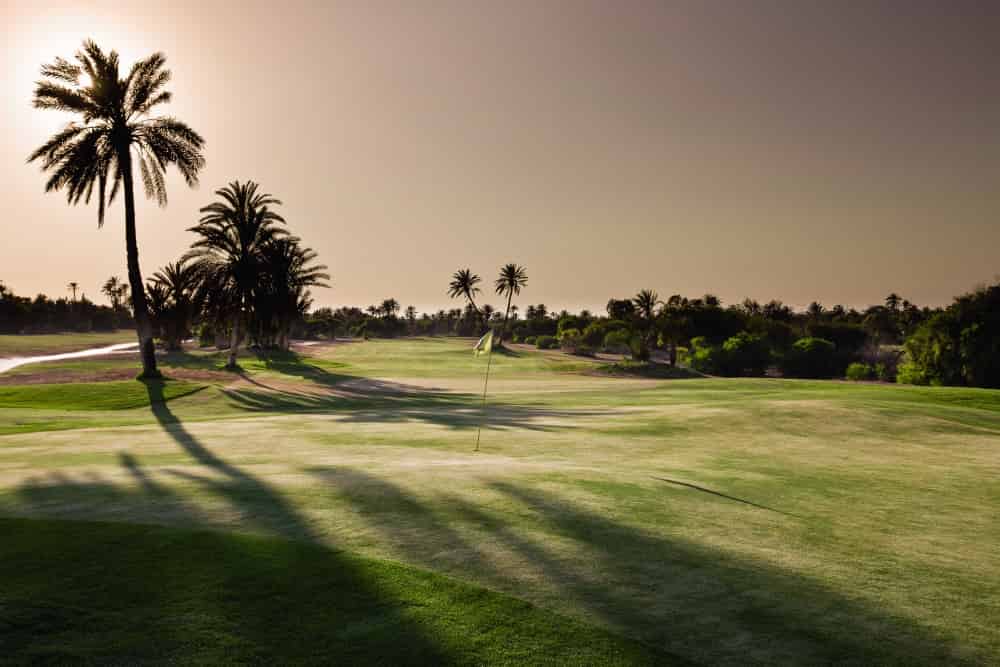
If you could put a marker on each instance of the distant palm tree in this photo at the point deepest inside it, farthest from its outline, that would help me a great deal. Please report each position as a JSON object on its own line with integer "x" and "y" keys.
{"x": 282, "y": 294}
{"x": 389, "y": 308}
{"x": 892, "y": 302}
{"x": 646, "y": 302}
{"x": 73, "y": 286}
{"x": 512, "y": 278}
{"x": 463, "y": 283}
{"x": 115, "y": 130}
{"x": 233, "y": 233}
{"x": 174, "y": 288}
{"x": 815, "y": 310}
{"x": 112, "y": 289}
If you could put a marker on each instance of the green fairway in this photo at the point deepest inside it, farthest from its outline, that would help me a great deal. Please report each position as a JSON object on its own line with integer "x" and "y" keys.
{"x": 24, "y": 346}
{"x": 721, "y": 521}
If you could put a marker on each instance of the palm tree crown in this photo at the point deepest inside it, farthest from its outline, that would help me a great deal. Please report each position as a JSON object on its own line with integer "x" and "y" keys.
{"x": 646, "y": 302}
{"x": 115, "y": 123}
{"x": 463, "y": 283}
{"x": 512, "y": 278}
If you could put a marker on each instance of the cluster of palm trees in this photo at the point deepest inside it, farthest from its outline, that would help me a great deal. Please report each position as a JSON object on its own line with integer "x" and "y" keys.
{"x": 244, "y": 272}
{"x": 510, "y": 281}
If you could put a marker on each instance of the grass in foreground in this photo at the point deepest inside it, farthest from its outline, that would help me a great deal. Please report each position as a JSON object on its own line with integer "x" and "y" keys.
{"x": 102, "y": 593}
{"x": 730, "y": 521}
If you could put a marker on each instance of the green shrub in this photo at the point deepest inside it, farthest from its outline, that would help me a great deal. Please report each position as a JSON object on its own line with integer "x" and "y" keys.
{"x": 704, "y": 356}
{"x": 617, "y": 341}
{"x": 911, "y": 373}
{"x": 859, "y": 371}
{"x": 530, "y": 340}
{"x": 571, "y": 341}
{"x": 744, "y": 354}
{"x": 546, "y": 342}
{"x": 638, "y": 348}
{"x": 810, "y": 358}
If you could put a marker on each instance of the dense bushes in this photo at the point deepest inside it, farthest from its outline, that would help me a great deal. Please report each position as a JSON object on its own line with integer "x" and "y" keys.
{"x": 810, "y": 358}
{"x": 859, "y": 371}
{"x": 546, "y": 342}
{"x": 960, "y": 346}
{"x": 743, "y": 354}
{"x": 617, "y": 341}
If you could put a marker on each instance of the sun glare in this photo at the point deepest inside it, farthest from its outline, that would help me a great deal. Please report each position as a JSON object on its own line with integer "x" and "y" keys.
{"x": 40, "y": 36}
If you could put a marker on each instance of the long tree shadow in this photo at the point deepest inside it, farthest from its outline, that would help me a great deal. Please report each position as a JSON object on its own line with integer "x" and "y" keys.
{"x": 682, "y": 597}
{"x": 241, "y": 587}
{"x": 360, "y": 400}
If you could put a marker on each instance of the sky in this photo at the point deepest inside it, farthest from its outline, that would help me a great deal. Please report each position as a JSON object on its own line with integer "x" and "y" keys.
{"x": 798, "y": 149}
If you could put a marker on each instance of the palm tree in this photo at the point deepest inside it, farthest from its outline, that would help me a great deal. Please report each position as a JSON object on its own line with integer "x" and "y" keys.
{"x": 463, "y": 283}
{"x": 115, "y": 129}
{"x": 646, "y": 302}
{"x": 282, "y": 294}
{"x": 232, "y": 234}
{"x": 389, "y": 308}
{"x": 174, "y": 289}
{"x": 512, "y": 278}
{"x": 892, "y": 302}
{"x": 73, "y": 286}
{"x": 111, "y": 289}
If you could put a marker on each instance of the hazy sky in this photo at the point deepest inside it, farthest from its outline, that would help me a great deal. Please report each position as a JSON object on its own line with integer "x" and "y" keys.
{"x": 800, "y": 150}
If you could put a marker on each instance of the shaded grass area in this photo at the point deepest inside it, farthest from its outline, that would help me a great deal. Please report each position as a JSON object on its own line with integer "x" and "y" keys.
{"x": 97, "y": 592}
{"x": 647, "y": 369}
{"x": 121, "y": 395}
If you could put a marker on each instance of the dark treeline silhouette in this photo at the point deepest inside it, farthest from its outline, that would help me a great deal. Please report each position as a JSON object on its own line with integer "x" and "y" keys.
{"x": 41, "y": 314}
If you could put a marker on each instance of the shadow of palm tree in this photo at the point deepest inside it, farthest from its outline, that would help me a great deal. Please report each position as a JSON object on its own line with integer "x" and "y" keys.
{"x": 384, "y": 401}
{"x": 682, "y": 597}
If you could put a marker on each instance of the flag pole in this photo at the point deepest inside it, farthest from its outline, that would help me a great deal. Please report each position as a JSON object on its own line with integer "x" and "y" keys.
{"x": 482, "y": 409}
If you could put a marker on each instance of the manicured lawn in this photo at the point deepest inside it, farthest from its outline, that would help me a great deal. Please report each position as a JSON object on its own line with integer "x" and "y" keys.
{"x": 24, "y": 346}
{"x": 86, "y": 592}
{"x": 720, "y": 521}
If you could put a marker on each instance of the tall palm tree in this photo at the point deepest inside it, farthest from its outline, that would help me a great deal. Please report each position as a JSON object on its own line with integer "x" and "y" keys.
{"x": 115, "y": 130}
{"x": 510, "y": 281}
{"x": 463, "y": 283}
{"x": 233, "y": 232}
{"x": 73, "y": 287}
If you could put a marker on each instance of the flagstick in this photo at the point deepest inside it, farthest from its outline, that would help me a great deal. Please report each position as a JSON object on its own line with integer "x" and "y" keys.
{"x": 482, "y": 416}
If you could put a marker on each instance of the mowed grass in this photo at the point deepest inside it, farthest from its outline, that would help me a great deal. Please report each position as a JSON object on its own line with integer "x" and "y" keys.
{"x": 40, "y": 344}
{"x": 718, "y": 521}
{"x": 81, "y": 592}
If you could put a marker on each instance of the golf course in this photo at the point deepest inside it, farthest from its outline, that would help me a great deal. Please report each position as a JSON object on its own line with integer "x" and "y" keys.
{"x": 326, "y": 503}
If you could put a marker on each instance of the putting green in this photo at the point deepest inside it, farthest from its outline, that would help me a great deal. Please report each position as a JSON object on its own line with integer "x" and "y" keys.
{"x": 720, "y": 521}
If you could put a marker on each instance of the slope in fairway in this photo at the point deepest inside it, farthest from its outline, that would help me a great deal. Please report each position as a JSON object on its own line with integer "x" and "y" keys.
{"x": 721, "y": 521}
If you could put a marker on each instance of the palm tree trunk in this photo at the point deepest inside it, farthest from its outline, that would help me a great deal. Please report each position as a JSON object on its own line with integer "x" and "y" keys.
{"x": 506, "y": 314}
{"x": 143, "y": 327}
{"x": 234, "y": 341}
